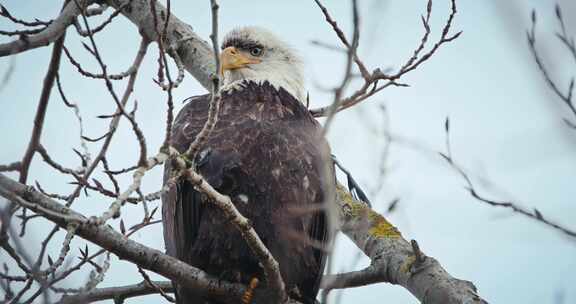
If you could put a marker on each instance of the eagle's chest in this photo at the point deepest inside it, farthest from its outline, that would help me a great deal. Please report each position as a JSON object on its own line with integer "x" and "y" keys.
{"x": 254, "y": 111}
{"x": 255, "y": 126}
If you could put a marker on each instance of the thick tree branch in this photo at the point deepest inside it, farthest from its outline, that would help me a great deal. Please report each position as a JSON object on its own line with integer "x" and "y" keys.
{"x": 395, "y": 260}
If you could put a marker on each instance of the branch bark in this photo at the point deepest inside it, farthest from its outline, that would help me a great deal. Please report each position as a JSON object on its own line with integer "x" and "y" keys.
{"x": 394, "y": 259}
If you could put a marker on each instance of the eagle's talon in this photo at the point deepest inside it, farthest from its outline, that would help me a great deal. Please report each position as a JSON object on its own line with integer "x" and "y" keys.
{"x": 249, "y": 293}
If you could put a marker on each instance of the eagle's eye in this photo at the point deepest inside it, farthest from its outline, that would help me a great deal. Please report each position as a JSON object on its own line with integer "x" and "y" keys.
{"x": 256, "y": 51}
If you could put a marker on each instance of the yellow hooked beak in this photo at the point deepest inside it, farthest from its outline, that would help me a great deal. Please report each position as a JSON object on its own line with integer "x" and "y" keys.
{"x": 232, "y": 59}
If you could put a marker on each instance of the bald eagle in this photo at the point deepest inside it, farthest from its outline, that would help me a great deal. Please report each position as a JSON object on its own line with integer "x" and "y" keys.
{"x": 265, "y": 153}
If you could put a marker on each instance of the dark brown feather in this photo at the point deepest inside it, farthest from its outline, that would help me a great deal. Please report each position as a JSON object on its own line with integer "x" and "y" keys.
{"x": 265, "y": 148}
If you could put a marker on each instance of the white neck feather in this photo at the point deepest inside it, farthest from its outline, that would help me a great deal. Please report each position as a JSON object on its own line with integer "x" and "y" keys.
{"x": 280, "y": 74}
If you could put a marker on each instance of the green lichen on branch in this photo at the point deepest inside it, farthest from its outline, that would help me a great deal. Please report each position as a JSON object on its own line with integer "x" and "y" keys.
{"x": 408, "y": 263}
{"x": 381, "y": 227}
{"x": 353, "y": 210}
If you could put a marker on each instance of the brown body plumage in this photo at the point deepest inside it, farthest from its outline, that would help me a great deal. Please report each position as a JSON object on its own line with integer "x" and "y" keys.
{"x": 265, "y": 152}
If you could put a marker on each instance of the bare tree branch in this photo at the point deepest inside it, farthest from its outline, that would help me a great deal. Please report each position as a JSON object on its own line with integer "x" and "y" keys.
{"x": 158, "y": 289}
{"x": 533, "y": 214}
{"x": 118, "y": 294}
{"x": 97, "y": 29}
{"x": 372, "y": 80}
{"x": 194, "y": 52}
{"x": 52, "y": 32}
{"x": 15, "y": 166}
{"x": 214, "y": 107}
{"x": 107, "y": 238}
{"x": 570, "y": 45}
{"x": 41, "y": 109}
{"x": 351, "y": 55}
{"x": 5, "y": 13}
{"x": 34, "y": 142}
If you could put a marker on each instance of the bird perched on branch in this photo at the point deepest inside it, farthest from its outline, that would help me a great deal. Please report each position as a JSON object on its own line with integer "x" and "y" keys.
{"x": 266, "y": 152}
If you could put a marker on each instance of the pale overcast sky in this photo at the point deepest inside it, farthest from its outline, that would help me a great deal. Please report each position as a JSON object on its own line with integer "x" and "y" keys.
{"x": 506, "y": 128}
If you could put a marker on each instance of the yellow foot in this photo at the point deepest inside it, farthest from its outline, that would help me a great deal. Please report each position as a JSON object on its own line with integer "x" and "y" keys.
{"x": 247, "y": 297}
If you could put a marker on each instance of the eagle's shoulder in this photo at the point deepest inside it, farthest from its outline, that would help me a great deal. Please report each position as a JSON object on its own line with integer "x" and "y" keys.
{"x": 190, "y": 118}
{"x": 193, "y": 104}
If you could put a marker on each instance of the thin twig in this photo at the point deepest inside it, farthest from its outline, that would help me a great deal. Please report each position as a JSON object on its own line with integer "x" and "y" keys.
{"x": 531, "y": 37}
{"x": 342, "y": 37}
{"x": 78, "y": 116}
{"x": 5, "y": 13}
{"x": 534, "y": 214}
{"x": 88, "y": 74}
{"x": 42, "y": 151}
{"x": 114, "y": 209}
{"x": 109, "y": 20}
{"x": 215, "y": 98}
{"x": 153, "y": 285}
{"x": 164, "y": 70}
{"x": 64, "y": 250}
{"x": 20, "y": 32}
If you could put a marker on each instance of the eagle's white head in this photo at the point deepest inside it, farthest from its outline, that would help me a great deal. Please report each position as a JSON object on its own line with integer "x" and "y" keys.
{"x": 254, "y": 53}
